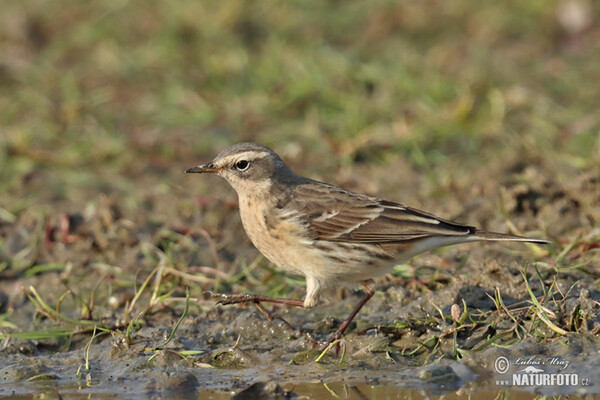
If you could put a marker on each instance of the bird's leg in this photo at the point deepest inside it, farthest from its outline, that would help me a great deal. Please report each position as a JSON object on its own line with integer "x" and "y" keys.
{"x": 369, "y": 292}
{"x": 272, "y": 317}
{"x": 227, "y": 299}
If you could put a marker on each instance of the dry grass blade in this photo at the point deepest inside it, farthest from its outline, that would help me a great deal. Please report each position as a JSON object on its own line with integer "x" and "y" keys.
{"x": 540, "y": 310}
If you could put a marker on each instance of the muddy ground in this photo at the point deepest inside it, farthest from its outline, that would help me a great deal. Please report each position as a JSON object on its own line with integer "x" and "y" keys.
{"x": 485, "y": 114}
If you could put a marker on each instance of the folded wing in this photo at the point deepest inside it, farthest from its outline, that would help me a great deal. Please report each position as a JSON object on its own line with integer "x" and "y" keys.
{"x": 334, "y": 214}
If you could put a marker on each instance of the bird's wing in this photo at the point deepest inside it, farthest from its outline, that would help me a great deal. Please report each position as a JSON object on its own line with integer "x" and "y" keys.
{"x": 334, "y": 214}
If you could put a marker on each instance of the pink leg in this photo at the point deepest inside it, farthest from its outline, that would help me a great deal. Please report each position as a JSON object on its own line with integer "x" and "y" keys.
{"x": 252, "y": 298}
{"x": 227, "y": 299}
{"x": 369, "y": 292}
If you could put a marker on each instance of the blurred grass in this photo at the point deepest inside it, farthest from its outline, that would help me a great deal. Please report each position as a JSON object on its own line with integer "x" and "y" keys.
{"x": 105, "y": 103}
{"x": 114, "y": 83}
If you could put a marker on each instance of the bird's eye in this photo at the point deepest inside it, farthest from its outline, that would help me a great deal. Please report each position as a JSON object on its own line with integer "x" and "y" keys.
{"x": 242, "y": 165}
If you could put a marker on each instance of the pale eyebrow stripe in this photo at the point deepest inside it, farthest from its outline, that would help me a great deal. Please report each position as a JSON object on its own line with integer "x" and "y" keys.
{"x": 247, "y": 154}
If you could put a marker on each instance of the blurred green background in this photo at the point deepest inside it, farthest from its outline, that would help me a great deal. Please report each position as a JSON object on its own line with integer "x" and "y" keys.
{"x": 439, "y": 104}
{"x": 128, "y": 87}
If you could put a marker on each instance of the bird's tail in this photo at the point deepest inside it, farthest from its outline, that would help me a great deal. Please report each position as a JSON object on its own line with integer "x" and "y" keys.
{"x": 484, "y": 235}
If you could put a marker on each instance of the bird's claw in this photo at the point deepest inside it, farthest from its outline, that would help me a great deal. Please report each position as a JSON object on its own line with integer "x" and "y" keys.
{"x": 227, "y": 302}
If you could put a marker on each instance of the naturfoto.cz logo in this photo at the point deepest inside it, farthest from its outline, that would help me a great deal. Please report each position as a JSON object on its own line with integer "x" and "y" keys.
{"x": 536, "y": 371}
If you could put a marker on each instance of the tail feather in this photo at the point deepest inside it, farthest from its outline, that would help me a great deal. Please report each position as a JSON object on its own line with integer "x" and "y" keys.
{"x": 484, "y": 235}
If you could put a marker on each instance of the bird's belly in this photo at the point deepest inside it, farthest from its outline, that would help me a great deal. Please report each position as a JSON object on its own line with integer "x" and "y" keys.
{"x": 352, "y": 262}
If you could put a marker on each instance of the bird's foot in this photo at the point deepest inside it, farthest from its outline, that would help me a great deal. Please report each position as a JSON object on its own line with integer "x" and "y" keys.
{"x": 227, "y": 299}
{"x": 333, "y": 341}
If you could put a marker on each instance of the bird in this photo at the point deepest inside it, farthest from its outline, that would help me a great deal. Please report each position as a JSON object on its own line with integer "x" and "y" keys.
{"x": 328, "y": 234}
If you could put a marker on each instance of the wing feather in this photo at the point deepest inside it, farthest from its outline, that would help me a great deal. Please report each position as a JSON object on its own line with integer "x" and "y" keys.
{"x": 334, "y": 214}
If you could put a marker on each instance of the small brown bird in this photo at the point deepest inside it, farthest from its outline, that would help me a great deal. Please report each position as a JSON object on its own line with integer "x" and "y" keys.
{"x": 326, "y": 233}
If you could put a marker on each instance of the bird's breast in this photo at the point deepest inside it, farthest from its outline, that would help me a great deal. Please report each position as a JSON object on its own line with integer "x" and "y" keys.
{"x": 280, "y": 237}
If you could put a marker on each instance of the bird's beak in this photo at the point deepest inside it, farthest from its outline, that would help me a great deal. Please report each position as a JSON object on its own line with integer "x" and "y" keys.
{"x": 203, "y": 169}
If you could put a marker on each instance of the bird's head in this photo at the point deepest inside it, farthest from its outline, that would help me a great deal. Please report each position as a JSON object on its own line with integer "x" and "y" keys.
{"x": 246, "y": 166}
